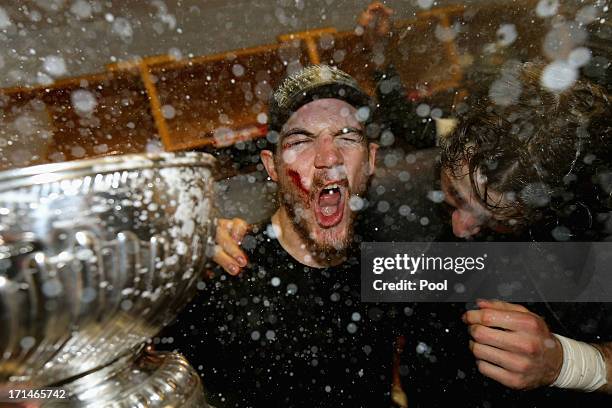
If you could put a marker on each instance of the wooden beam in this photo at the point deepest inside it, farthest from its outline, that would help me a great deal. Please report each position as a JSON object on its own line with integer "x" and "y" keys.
{"x": 158, "y": 117}
{"x": 309, "y": 37}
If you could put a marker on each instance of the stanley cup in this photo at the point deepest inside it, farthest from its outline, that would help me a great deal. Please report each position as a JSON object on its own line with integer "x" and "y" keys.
{"x": 96, "y": 256}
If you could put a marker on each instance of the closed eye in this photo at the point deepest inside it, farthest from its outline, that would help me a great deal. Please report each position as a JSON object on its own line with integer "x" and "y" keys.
{"x": 295, "y": 137}
{"x": 296, "y": 140}
{"x": 351, "y": 138}
{"x": 455, "y": 197}
{"x": 351, "y": 135}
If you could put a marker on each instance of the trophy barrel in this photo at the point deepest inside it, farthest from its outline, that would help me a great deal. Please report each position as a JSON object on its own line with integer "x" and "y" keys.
{"x": 96, "y": 256}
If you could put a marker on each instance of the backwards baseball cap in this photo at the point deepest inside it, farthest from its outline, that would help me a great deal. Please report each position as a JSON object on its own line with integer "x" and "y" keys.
{"x": 309, "y": 84}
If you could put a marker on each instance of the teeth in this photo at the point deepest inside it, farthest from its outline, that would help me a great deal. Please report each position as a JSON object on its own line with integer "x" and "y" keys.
{"x": 332, "y": 186}
{"x": 327, "y": 211}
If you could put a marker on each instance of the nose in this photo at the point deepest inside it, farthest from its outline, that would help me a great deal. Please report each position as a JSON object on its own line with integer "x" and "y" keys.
{"x": 465, "y": 224}
{"x": 328, "y": 155}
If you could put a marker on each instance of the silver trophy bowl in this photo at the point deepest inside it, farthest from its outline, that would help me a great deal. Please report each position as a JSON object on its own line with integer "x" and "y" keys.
{"x": 96, "y": 256}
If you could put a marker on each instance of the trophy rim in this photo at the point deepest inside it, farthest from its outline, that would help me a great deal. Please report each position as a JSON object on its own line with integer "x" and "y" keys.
{"x": 52, "y": 172}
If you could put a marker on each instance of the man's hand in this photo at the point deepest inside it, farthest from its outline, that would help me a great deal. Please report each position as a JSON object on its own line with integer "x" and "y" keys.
{"x": 376, "y": 23}
{"x": 227, "y": 249}
{"x": 513, "y": 346}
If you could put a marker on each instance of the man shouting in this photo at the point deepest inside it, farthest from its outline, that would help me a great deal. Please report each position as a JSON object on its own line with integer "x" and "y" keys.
{"x": 291, "y": 330}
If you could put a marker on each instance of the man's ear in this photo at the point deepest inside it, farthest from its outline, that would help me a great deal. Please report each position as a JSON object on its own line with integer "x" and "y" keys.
{"x": 267, "y": 158}
{"x": 373, "y": 148}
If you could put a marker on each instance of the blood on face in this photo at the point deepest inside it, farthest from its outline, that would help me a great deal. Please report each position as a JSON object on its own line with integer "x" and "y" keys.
{"x": 297, "y": 180}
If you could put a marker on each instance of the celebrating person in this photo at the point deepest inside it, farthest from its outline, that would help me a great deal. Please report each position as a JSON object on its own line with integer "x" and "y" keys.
{"x": 291, "y": 329}
{"x": 534, "y": 170}
{"x": 537, "y": 169}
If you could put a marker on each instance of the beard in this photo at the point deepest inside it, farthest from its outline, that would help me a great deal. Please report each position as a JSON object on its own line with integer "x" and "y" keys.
{"x": 326, "y": 242}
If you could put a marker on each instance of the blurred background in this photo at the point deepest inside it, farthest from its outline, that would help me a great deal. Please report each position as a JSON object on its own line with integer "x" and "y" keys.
{"x": 87, "y": 78}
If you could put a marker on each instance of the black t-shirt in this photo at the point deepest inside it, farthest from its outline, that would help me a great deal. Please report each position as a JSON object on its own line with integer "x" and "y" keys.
{"x": 283, "y": 334}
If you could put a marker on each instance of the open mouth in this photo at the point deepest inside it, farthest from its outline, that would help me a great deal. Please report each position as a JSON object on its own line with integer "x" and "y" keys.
{"x": 329, "y": 208}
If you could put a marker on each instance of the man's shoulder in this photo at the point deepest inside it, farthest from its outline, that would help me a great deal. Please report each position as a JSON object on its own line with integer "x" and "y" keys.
{"x": 261, "y": 244}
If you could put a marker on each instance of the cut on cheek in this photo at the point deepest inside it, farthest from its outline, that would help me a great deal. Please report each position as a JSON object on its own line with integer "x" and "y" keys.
{"x": 297, "y": 180}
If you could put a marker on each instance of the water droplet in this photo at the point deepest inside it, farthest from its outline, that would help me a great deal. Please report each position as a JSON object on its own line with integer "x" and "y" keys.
{"x": 579, "y": 57}
{"x": 561, "y": 233}
{"x": 387, "y": 138}
{"x": 383, "y": 206}
{"x": 83, "y": 101}
{"x": 238, "y": 70}
{"x": 126, "y": 304}
{"x": 362, "y": 114}
{"x": 27, "y": 342}
{"x": 77, "y": 151}
{"x": 123, "y": 28}
{"x": 289, "y": 156}
{"x": 404, "y": 210}
{"x": 175, "y": 53}
{"x": 505, "y": 91}
{"x": 168, "y": 111}
{"x": 52, "y": 288}
{"x": 446, "y": 34}
{"x": 81, "y": 9}
{"x": 292, "y": 289}
{"x": 562, "y": 39}
{"x": 547, "y": 8}
{"x": 506, "y": 34}
{"x": 437, "y": 196}
{"x": 425, "y": 4}
{"x": 558, "y": 76}
{"x": 356, "y": 203}
{"x": 262, "y": 118}
{"x": 423, "y": 110}
{"x": 54, "y": 65}
{"x": 422, "y": 348}
{"x": 587, "y": 14}
{"x": 88, "y": 295}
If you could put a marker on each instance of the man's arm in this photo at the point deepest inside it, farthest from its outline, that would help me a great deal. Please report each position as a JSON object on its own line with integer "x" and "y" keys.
{"x": 606, "y": 352}
{"x": 516, "y": 348}
{"x": 376, "y": 23}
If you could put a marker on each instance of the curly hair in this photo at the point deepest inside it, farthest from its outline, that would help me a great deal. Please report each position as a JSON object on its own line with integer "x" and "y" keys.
{"x": 536, "y": 151}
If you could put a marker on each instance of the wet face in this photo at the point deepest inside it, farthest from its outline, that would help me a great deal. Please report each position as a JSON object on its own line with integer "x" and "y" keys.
{"x": 469, "y": 215}
{"x": 323, "y": 159}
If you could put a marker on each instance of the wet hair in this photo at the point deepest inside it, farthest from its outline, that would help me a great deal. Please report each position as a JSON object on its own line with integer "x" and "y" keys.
{"x": 540, "y": 152}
